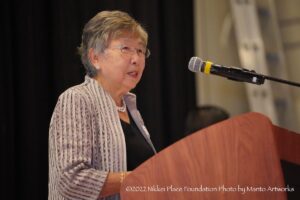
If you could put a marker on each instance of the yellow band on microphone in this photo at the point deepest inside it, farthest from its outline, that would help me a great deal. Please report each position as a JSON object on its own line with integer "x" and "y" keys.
{"x": 207, "y": 67}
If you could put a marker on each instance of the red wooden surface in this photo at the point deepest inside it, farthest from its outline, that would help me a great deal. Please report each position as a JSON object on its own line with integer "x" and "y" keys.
{"x": 234, "y": 159}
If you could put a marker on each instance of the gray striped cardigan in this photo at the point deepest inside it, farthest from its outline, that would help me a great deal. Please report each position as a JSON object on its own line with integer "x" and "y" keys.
{"x": 86, "y": 141}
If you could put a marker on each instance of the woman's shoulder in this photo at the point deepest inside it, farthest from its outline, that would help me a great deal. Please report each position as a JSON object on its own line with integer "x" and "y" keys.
{"x": 74, "y": 90}
{"x": 80, "y": 91}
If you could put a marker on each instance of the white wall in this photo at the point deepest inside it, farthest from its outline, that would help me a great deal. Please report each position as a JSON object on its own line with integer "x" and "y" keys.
{"x": 215, "y": 41}
{"x": 288, "y": 14}
{"x": 210, "y": 24}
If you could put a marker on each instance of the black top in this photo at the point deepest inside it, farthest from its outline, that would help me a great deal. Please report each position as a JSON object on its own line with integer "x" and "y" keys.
{"x": 138, "y": 149}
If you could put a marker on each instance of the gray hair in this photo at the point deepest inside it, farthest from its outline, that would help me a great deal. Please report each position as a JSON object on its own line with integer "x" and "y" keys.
{"x": 101, "y": 29}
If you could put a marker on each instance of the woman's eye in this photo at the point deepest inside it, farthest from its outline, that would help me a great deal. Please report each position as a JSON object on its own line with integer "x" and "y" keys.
{"x": 140, "y": 51}
{"x": 125, "y": 49}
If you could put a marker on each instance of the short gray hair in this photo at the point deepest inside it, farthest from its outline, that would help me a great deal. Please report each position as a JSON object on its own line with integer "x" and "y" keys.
{"x": 101, "y": 29}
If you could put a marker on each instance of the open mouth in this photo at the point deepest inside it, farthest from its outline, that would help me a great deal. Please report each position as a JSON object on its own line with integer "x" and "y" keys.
{"x": 133, "y": 74}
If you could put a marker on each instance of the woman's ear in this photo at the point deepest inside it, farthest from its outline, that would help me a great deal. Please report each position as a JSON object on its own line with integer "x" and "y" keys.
{"x": 94, "y": 58}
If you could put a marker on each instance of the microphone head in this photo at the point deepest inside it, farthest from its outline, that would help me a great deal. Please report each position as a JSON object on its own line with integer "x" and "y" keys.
{"x": 195, "y": 64}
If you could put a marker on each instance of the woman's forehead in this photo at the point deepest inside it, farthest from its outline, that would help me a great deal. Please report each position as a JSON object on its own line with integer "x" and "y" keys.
{"x": 128, "y": 36}
{"x": 128, "y": 39}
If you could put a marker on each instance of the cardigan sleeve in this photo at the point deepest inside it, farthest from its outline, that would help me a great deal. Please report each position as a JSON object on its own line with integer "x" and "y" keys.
{"x": 71, "y": 147}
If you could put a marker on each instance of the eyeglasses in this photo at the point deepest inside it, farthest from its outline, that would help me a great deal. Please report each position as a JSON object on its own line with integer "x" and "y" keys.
{"x": 130, "y": 51}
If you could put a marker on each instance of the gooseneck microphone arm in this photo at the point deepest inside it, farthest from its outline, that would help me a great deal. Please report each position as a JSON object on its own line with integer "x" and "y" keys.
{"x": 233, "y": 73}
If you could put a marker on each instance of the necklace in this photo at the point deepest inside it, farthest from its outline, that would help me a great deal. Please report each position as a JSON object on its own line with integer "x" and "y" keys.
{"x": 122, "y": 108}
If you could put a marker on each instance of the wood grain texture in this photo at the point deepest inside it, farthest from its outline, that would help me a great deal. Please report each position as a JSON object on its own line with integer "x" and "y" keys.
{"x": 234, "y": 159}
{"x": 288, "y": 144}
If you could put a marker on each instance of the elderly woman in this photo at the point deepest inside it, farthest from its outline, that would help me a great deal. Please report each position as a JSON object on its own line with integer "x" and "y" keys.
{"x": 96, "y": 129}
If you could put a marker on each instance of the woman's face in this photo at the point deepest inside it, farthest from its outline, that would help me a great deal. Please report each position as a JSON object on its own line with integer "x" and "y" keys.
{"x": 122, "y": 63}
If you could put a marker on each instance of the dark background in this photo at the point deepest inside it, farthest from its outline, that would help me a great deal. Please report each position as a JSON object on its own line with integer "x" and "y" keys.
{"x": 39, "y": 61}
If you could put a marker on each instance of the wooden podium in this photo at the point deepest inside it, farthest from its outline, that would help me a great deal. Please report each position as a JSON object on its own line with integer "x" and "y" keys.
{"x": 236, "y": 159}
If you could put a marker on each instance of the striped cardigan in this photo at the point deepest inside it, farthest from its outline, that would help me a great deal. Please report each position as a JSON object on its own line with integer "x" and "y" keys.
{"x": 86, "y": 141}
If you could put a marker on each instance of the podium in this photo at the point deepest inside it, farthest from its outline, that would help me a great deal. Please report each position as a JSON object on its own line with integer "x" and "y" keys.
{"x": 235, "y": 159}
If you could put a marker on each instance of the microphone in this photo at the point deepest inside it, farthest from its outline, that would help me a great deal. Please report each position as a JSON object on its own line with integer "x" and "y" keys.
{"x": 232, "y": 73}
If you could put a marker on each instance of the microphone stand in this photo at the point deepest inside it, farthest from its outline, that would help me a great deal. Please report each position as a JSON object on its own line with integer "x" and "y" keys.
{"x": 281, "y": 80}
{"x": 250, "y": 76}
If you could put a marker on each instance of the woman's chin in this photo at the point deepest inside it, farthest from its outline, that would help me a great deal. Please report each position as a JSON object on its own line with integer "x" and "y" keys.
{"x": 130, "y": 86}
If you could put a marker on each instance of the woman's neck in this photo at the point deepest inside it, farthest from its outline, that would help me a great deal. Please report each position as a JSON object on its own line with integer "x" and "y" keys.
{"x": 116, "y": 94}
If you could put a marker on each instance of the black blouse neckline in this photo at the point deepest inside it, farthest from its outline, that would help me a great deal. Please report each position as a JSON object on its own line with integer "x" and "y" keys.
{"x": 138, "y": 149}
